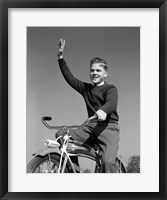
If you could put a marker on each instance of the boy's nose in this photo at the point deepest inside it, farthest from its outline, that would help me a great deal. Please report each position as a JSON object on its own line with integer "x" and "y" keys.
{"x": 94, "y": 74}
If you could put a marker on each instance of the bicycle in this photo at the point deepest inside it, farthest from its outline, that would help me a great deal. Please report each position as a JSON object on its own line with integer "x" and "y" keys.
{"x": 56, "y": 157}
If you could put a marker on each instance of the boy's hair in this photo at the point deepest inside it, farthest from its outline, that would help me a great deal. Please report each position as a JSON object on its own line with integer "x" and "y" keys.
{"x": 102, "y": 62}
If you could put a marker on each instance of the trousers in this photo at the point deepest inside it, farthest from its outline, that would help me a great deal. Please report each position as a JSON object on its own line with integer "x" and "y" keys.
{"x": 106, "y": 136}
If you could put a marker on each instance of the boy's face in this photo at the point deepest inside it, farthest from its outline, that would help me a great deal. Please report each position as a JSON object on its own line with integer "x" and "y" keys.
{"x": 97, "y": 73}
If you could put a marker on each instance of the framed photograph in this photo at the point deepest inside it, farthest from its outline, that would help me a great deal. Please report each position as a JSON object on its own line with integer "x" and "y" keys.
{"x": 127, "y": 37}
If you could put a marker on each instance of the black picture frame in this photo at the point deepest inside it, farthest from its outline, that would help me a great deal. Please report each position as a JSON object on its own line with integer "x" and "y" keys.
{"x": 4, "y": 5}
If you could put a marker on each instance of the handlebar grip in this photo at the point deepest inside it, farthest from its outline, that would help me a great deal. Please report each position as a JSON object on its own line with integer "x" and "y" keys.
{"x": 46, "y": 118}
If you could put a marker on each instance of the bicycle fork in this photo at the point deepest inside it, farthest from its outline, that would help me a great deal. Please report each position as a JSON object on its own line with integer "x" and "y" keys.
{"x": 65, "y": 157}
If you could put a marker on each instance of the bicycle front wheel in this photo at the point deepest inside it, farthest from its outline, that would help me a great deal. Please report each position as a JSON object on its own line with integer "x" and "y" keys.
{"x": 47, "y": 164}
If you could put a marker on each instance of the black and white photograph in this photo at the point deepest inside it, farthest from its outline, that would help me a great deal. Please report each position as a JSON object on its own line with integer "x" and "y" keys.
{"x": 83, "y": 99}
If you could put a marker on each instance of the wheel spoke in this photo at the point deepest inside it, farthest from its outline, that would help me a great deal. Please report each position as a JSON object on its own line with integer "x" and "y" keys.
{"x": 45, "y": 165}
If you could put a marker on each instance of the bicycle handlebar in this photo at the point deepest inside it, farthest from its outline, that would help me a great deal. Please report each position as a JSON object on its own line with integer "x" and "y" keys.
{"x": 46, "y": 118}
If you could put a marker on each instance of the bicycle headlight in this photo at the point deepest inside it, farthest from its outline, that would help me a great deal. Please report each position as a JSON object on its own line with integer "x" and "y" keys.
{"x": 51, "y": 143}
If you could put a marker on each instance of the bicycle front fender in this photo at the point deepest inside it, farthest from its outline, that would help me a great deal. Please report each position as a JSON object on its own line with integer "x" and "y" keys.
{"x": 43, "y": 152}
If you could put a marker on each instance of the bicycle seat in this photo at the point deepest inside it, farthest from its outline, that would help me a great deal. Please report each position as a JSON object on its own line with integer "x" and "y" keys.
{"x": 78, "y": 147}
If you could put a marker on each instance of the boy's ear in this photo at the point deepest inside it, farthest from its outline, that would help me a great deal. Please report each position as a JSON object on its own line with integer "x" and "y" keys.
{"x": 106, "y": 74}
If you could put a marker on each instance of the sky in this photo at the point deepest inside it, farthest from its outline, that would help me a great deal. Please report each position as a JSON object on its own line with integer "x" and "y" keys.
{"x": 49, "y": 95}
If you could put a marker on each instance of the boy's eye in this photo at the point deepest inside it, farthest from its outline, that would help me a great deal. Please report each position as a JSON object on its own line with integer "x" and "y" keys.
{"x": 92, "y": 70}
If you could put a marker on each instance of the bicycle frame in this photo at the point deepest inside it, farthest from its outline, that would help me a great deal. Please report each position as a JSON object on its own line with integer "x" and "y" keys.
{"x": 65, "y": 155}
{"x": 70, "y": 148}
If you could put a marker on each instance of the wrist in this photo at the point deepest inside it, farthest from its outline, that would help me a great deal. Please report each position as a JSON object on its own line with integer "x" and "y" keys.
{"x": 60, "y": 55}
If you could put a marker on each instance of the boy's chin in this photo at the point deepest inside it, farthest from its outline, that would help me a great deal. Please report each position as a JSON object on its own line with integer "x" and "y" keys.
{"x": 98, "y": 83}
{"x": 95, "y": 81}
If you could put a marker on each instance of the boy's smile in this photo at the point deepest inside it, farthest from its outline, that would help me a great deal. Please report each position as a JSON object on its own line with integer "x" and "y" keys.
{"x": 97, "y": 74}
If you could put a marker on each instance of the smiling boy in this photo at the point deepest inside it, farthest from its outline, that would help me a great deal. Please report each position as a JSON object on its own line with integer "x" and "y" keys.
{"x": 101, "y": 99}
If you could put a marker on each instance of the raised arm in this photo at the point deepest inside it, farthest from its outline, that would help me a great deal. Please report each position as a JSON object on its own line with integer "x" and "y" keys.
{"x": 68, "y": 76}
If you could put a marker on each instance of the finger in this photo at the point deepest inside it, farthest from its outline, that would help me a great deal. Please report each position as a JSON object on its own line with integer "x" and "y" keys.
{"x": 60, "y": 41}
{"x": 62, "y": 44}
